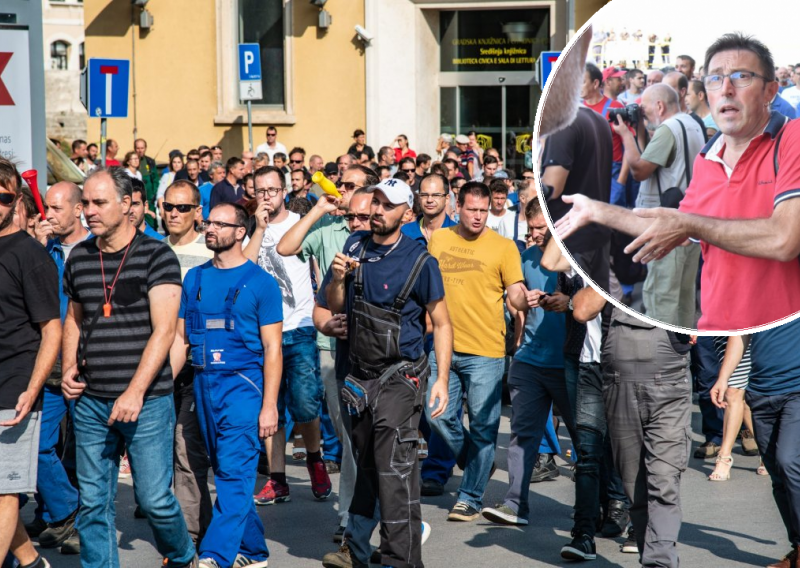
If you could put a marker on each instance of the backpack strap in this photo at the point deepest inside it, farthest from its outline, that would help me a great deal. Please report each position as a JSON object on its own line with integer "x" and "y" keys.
{"x": 402, "y": 298}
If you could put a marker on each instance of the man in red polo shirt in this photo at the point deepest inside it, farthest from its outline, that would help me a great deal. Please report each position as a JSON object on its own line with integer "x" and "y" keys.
{"x": 741, "y": 211}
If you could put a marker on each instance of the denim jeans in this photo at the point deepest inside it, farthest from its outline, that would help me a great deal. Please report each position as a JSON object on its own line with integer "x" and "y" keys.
{"x": 585, "y": 388}
{"x": 481, "y": 378}
{"x": 705, "y": 370}
{"x": 438, "y": 466}
{"x": 776, "y": 421}
{"x": 54, "y": 492}
{"x": 301, "y": 385}
{"x": 149, "y": 443}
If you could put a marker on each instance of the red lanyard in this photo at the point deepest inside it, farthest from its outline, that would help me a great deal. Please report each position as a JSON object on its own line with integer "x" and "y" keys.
{"x": 108, "y": 293}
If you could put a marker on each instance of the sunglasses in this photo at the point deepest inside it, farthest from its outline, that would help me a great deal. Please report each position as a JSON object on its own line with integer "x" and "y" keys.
{"x": 411, "y": 170}
{"x": 7, "y": 198}
{"x": 181, "y": 207}
{"x": 295, "y": 161}
{"x": 350, "y": 186}
{"x": 350, "y": 217}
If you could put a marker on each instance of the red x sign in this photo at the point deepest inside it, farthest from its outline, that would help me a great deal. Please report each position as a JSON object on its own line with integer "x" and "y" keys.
{"x": 5, "y": 96}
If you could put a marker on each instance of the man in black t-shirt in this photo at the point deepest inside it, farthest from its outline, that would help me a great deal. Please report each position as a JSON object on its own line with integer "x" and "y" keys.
{"x": 30, "y": 337}
{"x": 124, "y": 291}
{"x": 577, "y": 160}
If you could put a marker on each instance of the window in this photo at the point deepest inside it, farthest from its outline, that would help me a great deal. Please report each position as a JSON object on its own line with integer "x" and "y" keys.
{"x": 82, "y": 55}
{"x": 261, "y": 22}
{"x": 59, "y": 54}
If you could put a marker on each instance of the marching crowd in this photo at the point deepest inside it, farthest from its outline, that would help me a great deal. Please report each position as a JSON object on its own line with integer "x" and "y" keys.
{"x": 244, "y": 306}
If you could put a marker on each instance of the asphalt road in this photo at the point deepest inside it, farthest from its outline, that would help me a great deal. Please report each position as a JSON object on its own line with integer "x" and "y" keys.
{"x": 728, "y": 524}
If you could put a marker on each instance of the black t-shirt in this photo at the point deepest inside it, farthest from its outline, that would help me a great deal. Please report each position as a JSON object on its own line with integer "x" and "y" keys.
{"x": 353, "y": 151}
{"x": 115, "y": 348}
{"x": 585, "y": 149}
{"x": 29, "y": 284}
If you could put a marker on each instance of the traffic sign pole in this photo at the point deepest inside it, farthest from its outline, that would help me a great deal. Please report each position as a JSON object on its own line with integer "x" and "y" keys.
{"x": 249, "y": 81}
{"x": 250, "y": 123}
{"x": 103, "y": 140}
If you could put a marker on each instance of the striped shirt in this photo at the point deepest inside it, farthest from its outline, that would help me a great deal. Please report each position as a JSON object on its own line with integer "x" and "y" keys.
{"x": 117, "y": 342}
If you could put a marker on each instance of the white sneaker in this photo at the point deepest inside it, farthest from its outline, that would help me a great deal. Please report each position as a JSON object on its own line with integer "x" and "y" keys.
{"x": 426, "y": 532}
{"x": 124, "y": 467}
{"x": 208, "y": 563}
{"x": 242, "y": 561}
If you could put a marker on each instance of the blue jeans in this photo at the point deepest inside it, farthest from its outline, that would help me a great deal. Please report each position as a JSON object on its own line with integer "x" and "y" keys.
{"x": 56, "y": 495}
{"x": 705, "y": 369}
{"x": 301, "y": 384}
{"x": 149, "y": 443}
{"x": 438, "y": 466}
{"x": 481, "y": 378}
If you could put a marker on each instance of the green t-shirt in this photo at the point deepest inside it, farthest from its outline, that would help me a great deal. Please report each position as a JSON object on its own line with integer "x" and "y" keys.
{"x": 661, "y": 149}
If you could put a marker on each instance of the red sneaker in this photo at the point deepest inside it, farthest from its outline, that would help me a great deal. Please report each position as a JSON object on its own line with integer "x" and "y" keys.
{"x": 320, "y": 481}
{"x": 273, "y": 492}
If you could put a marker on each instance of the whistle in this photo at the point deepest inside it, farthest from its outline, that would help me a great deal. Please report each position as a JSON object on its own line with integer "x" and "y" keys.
{"x": 30, "y": 178}
{"x": 326, "y": 184}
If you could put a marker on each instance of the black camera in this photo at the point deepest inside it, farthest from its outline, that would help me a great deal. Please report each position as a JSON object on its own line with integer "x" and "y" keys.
{"x": 631, "y": 114}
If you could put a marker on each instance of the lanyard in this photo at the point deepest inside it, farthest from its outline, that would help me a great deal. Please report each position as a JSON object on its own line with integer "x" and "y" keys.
{"x": 108, "y": 291}
{"x": 378, "y": 258}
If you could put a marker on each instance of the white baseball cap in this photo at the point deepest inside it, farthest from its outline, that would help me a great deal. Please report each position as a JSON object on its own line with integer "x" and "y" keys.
{"x": 396, "y": 191}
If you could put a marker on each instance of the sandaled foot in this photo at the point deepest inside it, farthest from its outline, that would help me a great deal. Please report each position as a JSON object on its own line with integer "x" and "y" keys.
{"x": 761, "y": 470}
{"x": 722, "y": 471}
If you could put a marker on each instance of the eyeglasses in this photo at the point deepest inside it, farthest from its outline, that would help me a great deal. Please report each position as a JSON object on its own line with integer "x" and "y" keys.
{"x": 432, "y": 195}
{"x": 350, "y": 186}
{"x": 7, "y": 198}
{"x": 350, "y": 217}
{"x": 271, "y": 191}
{"x": 407, "y": 170}
{"x": 739, "y": 79}
{"x": 181, "y": 207}
{"x": 209, "y": 224}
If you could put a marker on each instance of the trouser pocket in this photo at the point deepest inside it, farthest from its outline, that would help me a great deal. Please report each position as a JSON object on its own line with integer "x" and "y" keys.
{"x": 354, "y": 395}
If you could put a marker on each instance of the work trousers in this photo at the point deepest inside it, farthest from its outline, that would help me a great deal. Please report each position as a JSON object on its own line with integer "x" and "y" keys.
{"x": 385, "y": 441}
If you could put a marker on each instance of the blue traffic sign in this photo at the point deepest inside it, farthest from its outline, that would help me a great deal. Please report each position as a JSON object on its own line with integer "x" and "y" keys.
{"x": 249, "y": 62}
{"x": 548, "y": 59}
{"x": 108, "y": 87}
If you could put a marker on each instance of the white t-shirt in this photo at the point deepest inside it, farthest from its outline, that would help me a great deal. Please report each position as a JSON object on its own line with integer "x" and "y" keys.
{"x": 504, "y": 226}
{"x": 271, "y": 152}
{"x": 792, "y": 96}
{"x": 594, "y": 333}
{"x": 292, "y": 274}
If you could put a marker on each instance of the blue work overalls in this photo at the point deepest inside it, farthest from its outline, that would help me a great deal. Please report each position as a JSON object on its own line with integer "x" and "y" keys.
{"x": 228, "y": 389}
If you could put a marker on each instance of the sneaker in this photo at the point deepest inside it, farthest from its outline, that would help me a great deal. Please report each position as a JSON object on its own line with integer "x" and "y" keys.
{"x": 338, "y": 536}
{"x": 431, "y": 488}
{"x": 463, "y": 512}
{"x": 342, "y": 558}
{"x": 273, "y": 492}
{"x": 332, "y": 467}
{"x": 426, "y": 532}
{"x": 207, "y": 563}
{"x": 242, "y": 561}
{"x": 124, "y": 467}
{"x": 545, "y": 469}
{"x": 35, "y": 527}
{"x": 616, "y": 521}
{"x": 706, "y": 451}
{"x": 630, "y": 546}
{"x": 57, "y": 533}
{"x": 749, "y": 446}
{"x": 72, "y": 544}
{"x": 320, "y": 481}
{"x": 581, "y": 548}
{"x": 503, "y": 514}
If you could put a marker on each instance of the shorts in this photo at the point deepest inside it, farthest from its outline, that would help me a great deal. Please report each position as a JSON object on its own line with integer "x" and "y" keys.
{"x": 301, "y": 384}
{"x": 19, "y": 453}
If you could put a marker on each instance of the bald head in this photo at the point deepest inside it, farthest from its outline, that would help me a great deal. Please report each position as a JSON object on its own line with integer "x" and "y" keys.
{"x": 63, "y": 211}
{"x": 65, "y": 190}
{"x": 659, "y": 103}
{"x": 654, "y": 77}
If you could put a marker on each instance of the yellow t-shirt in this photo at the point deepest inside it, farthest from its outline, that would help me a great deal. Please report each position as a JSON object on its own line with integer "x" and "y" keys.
{"x": 476, "y": 273}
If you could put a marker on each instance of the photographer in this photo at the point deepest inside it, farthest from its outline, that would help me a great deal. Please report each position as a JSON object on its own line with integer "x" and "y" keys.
{"x": 669, "y": 290}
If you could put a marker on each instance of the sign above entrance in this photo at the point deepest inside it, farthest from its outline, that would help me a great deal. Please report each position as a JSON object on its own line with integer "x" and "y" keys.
{"x": 493, "y": 40}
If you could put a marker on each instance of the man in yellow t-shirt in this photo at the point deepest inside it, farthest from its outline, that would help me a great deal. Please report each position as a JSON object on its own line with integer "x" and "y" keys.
{"x": 477, "y": 266}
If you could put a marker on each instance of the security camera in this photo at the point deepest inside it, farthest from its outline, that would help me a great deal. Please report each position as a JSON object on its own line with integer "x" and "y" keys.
{"x": 365, "y": 36}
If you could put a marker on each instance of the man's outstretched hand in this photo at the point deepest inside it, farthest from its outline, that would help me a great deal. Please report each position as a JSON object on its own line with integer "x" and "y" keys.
{"x": 665, "y": 233}
{"x": 579, "y": 216}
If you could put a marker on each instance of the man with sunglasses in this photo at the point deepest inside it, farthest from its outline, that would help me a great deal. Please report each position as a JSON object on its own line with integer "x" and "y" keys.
{"x": 297, "y": 159}
{"x": 301, "y": 385}
{"x": 182, "y": 208}
{"x": 738, "y": 207}
{"x": 231, "y": 320}
{"x": 409, "y": 167}
{"x": 29, "y": 342}
{"x": 321, "y": 234}
{"x": 271, "y": 146}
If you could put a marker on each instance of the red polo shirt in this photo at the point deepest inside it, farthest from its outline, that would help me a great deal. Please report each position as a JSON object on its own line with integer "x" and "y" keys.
{"x": 740, "y": 292}
{"x": 616, "y": 139}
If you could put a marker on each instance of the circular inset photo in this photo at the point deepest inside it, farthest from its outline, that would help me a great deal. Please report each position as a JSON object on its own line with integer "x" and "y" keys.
{"x": 669, "y": 163}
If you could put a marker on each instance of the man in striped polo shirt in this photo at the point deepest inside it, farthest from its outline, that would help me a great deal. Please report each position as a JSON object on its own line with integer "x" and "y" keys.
{"x": 124, "y": 291}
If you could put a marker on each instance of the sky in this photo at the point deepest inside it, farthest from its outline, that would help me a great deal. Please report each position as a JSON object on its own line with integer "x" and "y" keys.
{"x": 694, "y": 24}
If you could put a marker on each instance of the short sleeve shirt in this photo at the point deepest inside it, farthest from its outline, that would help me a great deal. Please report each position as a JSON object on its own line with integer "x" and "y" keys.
{"x": 775, "y": 360}
{"x": 476, "y": 274}
{"x": 661, "y": 149}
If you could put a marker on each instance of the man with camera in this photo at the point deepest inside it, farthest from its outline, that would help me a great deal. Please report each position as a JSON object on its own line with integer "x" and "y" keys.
{"x": 664, "y": 169}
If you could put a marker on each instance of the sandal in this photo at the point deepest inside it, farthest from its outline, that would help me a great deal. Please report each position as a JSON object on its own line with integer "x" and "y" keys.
{"x": 761, "y": 470}
{"x": 299, "y": 449}
{"x": 715, "y": 476}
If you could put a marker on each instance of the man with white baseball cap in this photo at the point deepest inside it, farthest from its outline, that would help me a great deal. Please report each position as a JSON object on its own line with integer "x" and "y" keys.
{"x": 385, "y": 283}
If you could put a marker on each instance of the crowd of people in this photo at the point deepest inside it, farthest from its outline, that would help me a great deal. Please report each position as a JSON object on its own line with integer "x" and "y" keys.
{"x": 244, "y": 306}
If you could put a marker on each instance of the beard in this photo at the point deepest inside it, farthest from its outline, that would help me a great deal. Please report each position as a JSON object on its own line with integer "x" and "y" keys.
{"x": 6, "y": 221}
{"x": 387, "y": 229}
{"x": 221, "y": 244}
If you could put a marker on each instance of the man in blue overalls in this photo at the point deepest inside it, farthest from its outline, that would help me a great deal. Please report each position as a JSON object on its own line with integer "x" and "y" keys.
{"x": 231, "y": 317}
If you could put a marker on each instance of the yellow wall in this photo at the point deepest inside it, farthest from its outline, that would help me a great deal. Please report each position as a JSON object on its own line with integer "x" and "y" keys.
{"x": 585, "y": 9}
{"x": 176, "y": 77}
